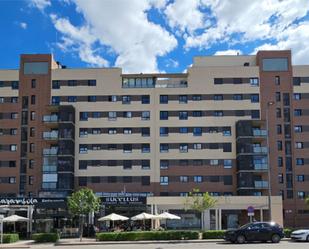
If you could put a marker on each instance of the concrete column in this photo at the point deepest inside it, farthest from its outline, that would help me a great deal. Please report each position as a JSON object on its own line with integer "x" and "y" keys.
{"x": 207, "y": 219}
{"x": 261, "y": 214}
{"x": 216, "y": 218}
{"x": 220, "y": 219}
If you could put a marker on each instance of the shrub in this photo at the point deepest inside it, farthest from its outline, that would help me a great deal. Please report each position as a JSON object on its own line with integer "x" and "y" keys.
{"x": 213, "y": 234}
{"x": 45, "y": 237}
{"x": 10, "y": 238}
{"x": 147, "y": 235}
{"x": 287, "y": 232}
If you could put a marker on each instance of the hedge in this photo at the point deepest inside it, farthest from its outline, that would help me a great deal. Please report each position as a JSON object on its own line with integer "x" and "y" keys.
{"x": 147, "y": 235}
{"x": 213, "y": 234}
{"x": 10, "y": 238}
{"x": 287, "y": 232}
{"x": 45, "y": 237}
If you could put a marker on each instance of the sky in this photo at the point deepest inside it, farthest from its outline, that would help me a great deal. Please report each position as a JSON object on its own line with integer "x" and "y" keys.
{"x": 150, "y": 35}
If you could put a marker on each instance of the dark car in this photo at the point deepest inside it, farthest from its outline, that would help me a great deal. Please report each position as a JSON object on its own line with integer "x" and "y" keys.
{"x": 256, "y": 231}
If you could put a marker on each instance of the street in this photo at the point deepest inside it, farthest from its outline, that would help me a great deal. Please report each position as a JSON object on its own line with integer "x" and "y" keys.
{"x": 221, "y": 245}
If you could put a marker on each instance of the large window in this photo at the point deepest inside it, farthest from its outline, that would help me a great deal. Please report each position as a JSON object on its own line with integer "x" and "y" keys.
{"x": 163, "y": 115}
{"x": 163, "y": 180}
{"x": 275, "y": 64}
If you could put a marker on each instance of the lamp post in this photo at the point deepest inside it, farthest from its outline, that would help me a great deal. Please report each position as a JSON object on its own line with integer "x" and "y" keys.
{"x": 270, "y": 103}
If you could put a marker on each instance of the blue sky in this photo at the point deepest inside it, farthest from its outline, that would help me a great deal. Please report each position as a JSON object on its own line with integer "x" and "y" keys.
{"x": 150, "y": 35}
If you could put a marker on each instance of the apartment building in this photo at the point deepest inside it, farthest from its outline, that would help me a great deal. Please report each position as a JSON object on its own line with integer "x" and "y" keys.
{"x": 158, "y": 135}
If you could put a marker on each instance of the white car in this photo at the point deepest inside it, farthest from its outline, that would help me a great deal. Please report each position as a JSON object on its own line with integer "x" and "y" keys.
{"x": 300, "y": 235}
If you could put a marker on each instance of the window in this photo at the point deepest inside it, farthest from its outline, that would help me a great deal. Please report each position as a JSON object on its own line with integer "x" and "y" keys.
{"x": 72, "y": 83}
{"x": 14, "y": 115}
{"x": 92, "y": 98}
{"x": 299, "y": 145}
{"x": 72, "y": 98}
{"x": 145, "y": 99}
{"x": 127, "y": 164}
{"x": 280, "y": 161}
{"x": 145, "y": 148}
{"x": 183, "y": 115}
{"x": 12, "y": 180}
{"x": 237, "y": 97}
{"x": 15, "y": 85}
{"x": 197, "y": 114}
{"x": 96, "y": 131}
{"x": 297, "y": 96}
{"x": 112, "y": 98}
{"x": 183, "y": 162}
{"x": 163, "y": 131}
{"x": 278, "y": 112}
{"x": 13, "y": 131}
{"x": 32, "y": 99}
{"x": 13, "y": 147}
{"x": 197, "y": 162}
{"x": 279, "y": 145}
{"x": 227, "y": 132}
{"x": 145, "y": 164}
{"x": 32, "y": 132}
{"x": 14, "y": 100}
{"x": 112, "y": 131}
{"x": 227, "y": 163}
{"x": 286, "y": 99}
{"x": 164, "y": 164}
{"x": 96, "y": 115}
{"x": 163, "y": 99}
{"x": 255, "y": 114}
{"x": 55, "y": 100}
{"x": 197, "y": 131}
{"x": 218, "y": 113}
{"x": 297, "y": 112}
{"x": 278, "y": 96}
{"x": 214, "y": 162}
{"x": 145, "y": 180}
{"x": 218, "y": 81}
{"x": 301, "y": 195}
{"x": 277, "y": 80}
{"x": 280, "y": 178}
{"x": 33, "y": 83}
{"x": 300, "y": 178}
{"x": 183, "y": 178}
{"x": 218, "y": 97}
{"x": 279, "y": 129}
{"x": 237, "y": 80}
{"x": 112, "y": 115}
{"x": 126, "y": 99}
{"x": 31, "y": 179}
{"x": 183, "y": 129}
{"x": 196, "y": 97}
{"x": 145, "y": 115}
{"x": 163, "y": 115}
{"x": 92, "y": 82}
{"x": 163, "y": 180}
{"x": 254, "y": 98}
{"x": 145, "y": 132}
{"x": 83, "y": 116}
{"x": 127, "y": 148}
{"x": 197, "y": 146}
{"x": 275, "y": 64}
{"x": 254, "y": 81}
{"x": 164, "y": 148}
{"x": 183, "y": 99}
{"x": 12, "y": 164}
{"x": 298, "y": 128}
{"x": 127, "y": 131}
{"x": 197, "y": 179}
{"x": 55, "y": 84}
{"x": 1, "y": 100}
{"x": 183, "y": 148}
{"x": 83, "y": 149}
{"x": 299, "y": 161}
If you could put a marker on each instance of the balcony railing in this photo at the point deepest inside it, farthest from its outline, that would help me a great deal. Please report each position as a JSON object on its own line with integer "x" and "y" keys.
{"x": 49, "y": 168}
{"x": 259, "y": 149}
{"x": 261, "y": 166}
{"x": 51, "y": 152}
{"x": 50, "y": 135}
{"x": 50, "y": 118}
{"x": 259, "y": 133}
{"x": 261, "y": 184}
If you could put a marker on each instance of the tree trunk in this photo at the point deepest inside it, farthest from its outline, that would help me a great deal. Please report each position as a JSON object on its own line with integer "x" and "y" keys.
{"x": 202, "y": 220}
{"x": 81, "y": 228}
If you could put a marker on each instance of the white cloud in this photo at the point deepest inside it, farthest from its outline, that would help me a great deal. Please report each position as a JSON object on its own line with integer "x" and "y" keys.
{"x": 23, "y": 25}
{"x": 229, "y": 52}
{"x": 40, "y": 4}
{"x": 126, "y": 29}
{"x": 184, "y": 15}
{"x": 171, "y": 63}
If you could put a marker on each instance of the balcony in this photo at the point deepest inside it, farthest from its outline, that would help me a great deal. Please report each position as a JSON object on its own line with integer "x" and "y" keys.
{"x": 259, "y": 150}
{"x": 259, "y": 133}
{"x": 261, "y": 184}
{"x": 260, "y": 166}
{"x": 247, "y": 149}
{"x": 50, "y": 135}
{"x": 49, "y": 168}
{"x": 50, "y": 152}
{"x": 50, "y": 118}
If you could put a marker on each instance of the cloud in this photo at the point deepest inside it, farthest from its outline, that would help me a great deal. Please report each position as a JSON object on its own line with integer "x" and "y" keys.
{"x": 171, "y": 63}
{"x": 40, "y": 4}
{"x": 23, "y": 25}
{"x": 229, "y": 52}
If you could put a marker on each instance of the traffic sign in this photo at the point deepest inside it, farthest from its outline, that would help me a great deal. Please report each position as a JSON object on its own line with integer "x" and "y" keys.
{"x": 250, "y": 211}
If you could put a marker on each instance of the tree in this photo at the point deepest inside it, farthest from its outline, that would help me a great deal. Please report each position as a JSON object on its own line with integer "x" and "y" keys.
{"x": 200, "y": 203}
{"x": 307, "y": 201}
{"x": 81, "y": 203}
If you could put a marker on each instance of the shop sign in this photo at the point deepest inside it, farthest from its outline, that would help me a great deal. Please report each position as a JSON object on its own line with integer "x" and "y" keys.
{"x": 125, "y": 200}
{"x": 29, "y": 201}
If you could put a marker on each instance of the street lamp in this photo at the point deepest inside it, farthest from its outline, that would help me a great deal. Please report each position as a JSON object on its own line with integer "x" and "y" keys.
{"x": 270, "y": 103}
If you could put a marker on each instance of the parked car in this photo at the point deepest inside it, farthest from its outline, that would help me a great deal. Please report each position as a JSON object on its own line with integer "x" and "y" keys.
{"x": 256, "y": 231}
{"x": 300, "y": 235}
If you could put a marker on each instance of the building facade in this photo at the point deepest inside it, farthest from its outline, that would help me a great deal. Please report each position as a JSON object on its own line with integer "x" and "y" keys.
{"x": 144, "y": 135}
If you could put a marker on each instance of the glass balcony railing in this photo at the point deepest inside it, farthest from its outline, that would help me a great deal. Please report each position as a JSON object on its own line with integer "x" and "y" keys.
{"x": 53, "y": 151}
{"x": 261, "y": 184}
{"x": 50, "y": 135}
{"x": 50, "y": 168}
{"x": 50, "y": 118}
{"x": 259, "y": 133}
{"x": 259, "y": 149}
{"x": 260, "y": 166}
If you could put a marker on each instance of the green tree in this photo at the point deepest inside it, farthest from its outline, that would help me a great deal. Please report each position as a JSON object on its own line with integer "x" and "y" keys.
{"x": 81, "y": 203}
{"x": 307, "y": 201}
{"x": 200, "y": 203}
